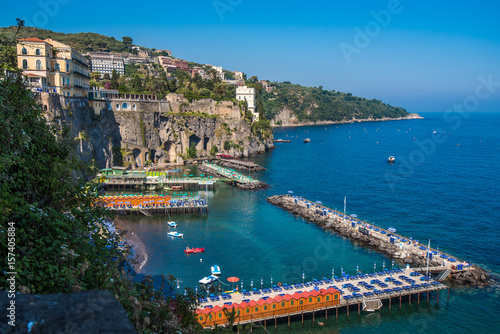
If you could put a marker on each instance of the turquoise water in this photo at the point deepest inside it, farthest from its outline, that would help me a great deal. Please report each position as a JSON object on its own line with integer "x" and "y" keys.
{"x": 443, "y": 187}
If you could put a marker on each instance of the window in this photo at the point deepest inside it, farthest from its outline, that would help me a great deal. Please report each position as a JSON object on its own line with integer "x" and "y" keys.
{"x": 291, "y": 302}
{"x": 274, "y": 306}
{"x": 124, "y": 105}
{"x": 248, "y": 310}
{"x": 201, "y": 318}
{"x": 38, "y": 64}
{"x": 37, "y": 52}
{"x": 310, "y": 299}
{"x": 25, "y": 64}
{"x": 210, "y": 317}
{"x": 256, "y": 309}
{"x": 117, "y": 106}
{"x": 282, "y": 304}
{"x": 301, "y": 302}
{"x": 57, "y": 67}
{"x": 336, "y": 296}
{"x": 220, "y": 315}
{"x": 327, "y": 298}
{"x": 265, "y": 308}
{"x": 24, "y": 51}
{"x": 67, "y": 68}
{"x": 134, "y": 107}
{"x": 319, "y": 299}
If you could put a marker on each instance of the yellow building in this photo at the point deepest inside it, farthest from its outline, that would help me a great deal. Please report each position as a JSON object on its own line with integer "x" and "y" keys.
{"x": 53, "y": 67}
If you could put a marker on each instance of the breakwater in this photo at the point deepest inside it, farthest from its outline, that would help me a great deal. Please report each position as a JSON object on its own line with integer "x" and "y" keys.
{"x": 394, "y": 245}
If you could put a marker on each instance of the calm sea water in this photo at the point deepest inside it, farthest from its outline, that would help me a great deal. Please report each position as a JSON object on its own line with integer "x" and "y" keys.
{"x": 443, "y": 187}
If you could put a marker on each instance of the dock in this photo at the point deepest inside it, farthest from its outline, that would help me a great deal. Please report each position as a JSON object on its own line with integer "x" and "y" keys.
{"x": 149, "y": 205}
{"x": 323, "y": 297}
{"x": 382, "y": 240}
{"x": 142, "y": 181}
{"x": 236, "y": 178}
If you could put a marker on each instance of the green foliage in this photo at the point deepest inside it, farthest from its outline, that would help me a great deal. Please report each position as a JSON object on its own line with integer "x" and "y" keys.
{"x": 137, "y": 84}
{"x": 226, "y": 128}
{"x": 127, "y": 40}
{"x": 192, "y": 151}
{"x": 114, "y": 79}
{"x": 214, "y": 150}
{"x": 227, "y": 145}
{"x": 315, "y": 104}
{"x": 262, "y": 128}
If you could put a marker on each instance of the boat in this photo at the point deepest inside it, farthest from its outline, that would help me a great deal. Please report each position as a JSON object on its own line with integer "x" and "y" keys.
{"x": 152, "y": 187}
{"x": 176, "y": 187}
{"x": 215, "y": 270}
{"x": 208, "y": 280}
{"x": 194, "y": 250}
{"x": 391, "y": 159}
{"x": 434, "y": 131}
{"x": 172, "y": 224}
{"x": 307, "y": 140}
{"x": 167, "y": 188}
{"x": 175, "y": 234}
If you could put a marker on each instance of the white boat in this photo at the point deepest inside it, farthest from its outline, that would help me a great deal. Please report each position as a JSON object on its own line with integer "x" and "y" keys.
{"x": 215, "y": 270}
{"x": 172, "y": 224}
{"x": 434, "y": 131}
{"x": 175, "y": 234}
{"x": 391, "y": 159}
{"x": 209, "y": 279}
{"x": 307, "y": 140}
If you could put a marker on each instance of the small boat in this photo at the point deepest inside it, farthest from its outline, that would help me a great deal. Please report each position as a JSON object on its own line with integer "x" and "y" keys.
{"x": 434, "y": 131}
{"x": 208, "y": 280}
{"x": 167, "y": 188}
{"x": 176, "y": 187}
{"x": 307, "y": 140}
{"x": 172, "y": 224}
{"x": 194, "y": 250}
{"x": 391, "y": 159}
{"x": 215, "y": 270}
{"x": 152, "y": 187}
{"x": 175, "y": 234}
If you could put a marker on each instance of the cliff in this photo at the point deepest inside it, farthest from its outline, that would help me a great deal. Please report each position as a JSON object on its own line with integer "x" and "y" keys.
{"x": 134, "y": 131}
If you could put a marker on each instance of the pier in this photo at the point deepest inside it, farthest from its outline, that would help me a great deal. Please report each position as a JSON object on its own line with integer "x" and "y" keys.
{"x": 154, "y": 205}
{"x": 144, "y": 181}
{"x": 390, "y": 243}
{"x": 238, "y": 179}
{"x": 319, "y": 297}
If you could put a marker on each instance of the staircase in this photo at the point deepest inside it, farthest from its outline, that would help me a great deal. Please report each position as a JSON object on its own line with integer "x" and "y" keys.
{"x": 144, "y": 212}
{"x": 443, "y": 275}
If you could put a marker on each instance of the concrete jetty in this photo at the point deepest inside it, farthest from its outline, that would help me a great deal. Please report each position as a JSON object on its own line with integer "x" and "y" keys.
{"x": 392, "y": 244}
{"x": 235, "y": 178}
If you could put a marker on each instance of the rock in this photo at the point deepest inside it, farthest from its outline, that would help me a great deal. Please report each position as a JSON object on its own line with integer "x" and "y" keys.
{"x": 81, "y": 312}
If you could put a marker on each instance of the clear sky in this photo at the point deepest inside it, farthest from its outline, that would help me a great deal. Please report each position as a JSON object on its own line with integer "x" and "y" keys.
{"x": 420, "y": 55}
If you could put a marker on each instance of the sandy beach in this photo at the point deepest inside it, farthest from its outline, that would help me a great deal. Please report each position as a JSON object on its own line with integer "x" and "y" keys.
{"x": 138, "y": 248}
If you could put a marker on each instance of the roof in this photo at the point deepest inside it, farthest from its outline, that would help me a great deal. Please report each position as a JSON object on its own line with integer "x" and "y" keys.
{"x": 314, "y": 293}
{"x": 261, "y": 301}
{"x": 278, "y": 298}
{"x": 305, "y": 294}
{"x": 297, "y": 295}
{"x": 31, "y": 39}
{"x": 287, "y": 297}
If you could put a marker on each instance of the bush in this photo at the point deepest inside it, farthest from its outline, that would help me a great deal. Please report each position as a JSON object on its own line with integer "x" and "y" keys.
{"x": 214, "y": 150}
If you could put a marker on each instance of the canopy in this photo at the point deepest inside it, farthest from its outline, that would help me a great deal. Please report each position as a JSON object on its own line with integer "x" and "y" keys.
{"x": 233, "y": 279}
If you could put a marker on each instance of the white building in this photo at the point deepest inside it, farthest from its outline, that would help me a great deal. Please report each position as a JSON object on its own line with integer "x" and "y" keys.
{"x": 103, "y": 63}
{"x": 219, "y": 71}
{"x": 238, "y": 75}
{"x": 244, "y": 93}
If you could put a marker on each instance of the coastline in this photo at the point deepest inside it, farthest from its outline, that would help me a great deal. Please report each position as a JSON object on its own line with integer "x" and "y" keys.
{"x": 384, "y": 119}
{"x": 138, "y": 248}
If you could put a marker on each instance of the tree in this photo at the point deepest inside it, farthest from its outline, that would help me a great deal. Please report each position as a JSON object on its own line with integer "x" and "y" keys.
{"x": 127, "y": 40}
{"x": 137, "y": 84}
{"x": 192, "y": 151}
{"x": 106, "y": 76}
{"x": 114, "y": 80}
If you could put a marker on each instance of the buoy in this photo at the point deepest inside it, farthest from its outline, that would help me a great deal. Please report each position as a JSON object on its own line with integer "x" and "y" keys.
{"x": 201, "y": 260}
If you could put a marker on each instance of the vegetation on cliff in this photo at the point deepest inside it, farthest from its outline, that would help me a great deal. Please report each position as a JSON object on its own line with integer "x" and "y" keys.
{"x": 311, "y": 104}
{"x": 51, "y": 220}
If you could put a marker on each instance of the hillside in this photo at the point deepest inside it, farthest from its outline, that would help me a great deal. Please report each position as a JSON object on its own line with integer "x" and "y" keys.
{"x": 311, "y": 104}
{"x": 83, "y": 41}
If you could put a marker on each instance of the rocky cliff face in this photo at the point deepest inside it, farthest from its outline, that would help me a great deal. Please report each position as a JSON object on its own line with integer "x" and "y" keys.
{"x": 132, "y": 137}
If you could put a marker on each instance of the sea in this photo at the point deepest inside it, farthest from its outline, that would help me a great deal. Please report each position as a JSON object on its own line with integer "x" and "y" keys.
{"x": 443, "y": 187}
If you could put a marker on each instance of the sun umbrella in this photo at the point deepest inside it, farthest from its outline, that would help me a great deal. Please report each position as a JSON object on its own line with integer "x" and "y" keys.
{"x": 190, "y": 174}
{"x": 319, "y": 202}
{"x": 233, "y": 280}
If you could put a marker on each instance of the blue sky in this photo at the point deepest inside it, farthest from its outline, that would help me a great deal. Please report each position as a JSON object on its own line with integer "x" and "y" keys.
{"x": 420, "y": 55}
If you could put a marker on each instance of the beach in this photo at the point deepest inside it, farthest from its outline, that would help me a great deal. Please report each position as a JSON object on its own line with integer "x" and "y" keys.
{"x": 138, "y": 248}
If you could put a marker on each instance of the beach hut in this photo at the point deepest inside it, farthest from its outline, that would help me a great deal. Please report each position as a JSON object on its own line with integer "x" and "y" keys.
{"x": 245, "y": 310}
{"x": 316, "y": 298}
{"x": 280, "y": 304}
{"x": 272, "y": 306}
{"x": 254, "y": 308}
{"x": 299, "y": 299}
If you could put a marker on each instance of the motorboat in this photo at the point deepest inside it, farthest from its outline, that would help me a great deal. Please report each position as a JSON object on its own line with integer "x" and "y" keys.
{"x": 175, "y": 234}
{"x": 194, "y": 250}
{"x": 208, "y": 280}
{"x": 172, "y": 224}
{"x": 307, "y": 140}
{"x": 176, "y": 187}
{"x": 391, "y": 159}
{"x": 215, "y": 270}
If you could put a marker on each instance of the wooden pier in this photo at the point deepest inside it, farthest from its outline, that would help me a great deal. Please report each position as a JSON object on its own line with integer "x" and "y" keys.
{"x": 318, "y": 298}
{"x": 154, "y": 204}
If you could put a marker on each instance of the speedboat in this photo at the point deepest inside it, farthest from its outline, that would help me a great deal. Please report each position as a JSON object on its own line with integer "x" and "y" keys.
{"x": 194, "y": 250}
{"x": 215, "y": 270}
{"x": 176, "y": 187}
{"x": 391, "y": 159}
{"x": 307, "y": 140}
{"x": 175, "y": 234}
{"x": 172, "y": 224}
{"x": 209, "y": 279}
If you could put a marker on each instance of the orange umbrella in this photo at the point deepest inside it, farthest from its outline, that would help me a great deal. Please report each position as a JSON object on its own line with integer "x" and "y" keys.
{"x": 233, "y": 280}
